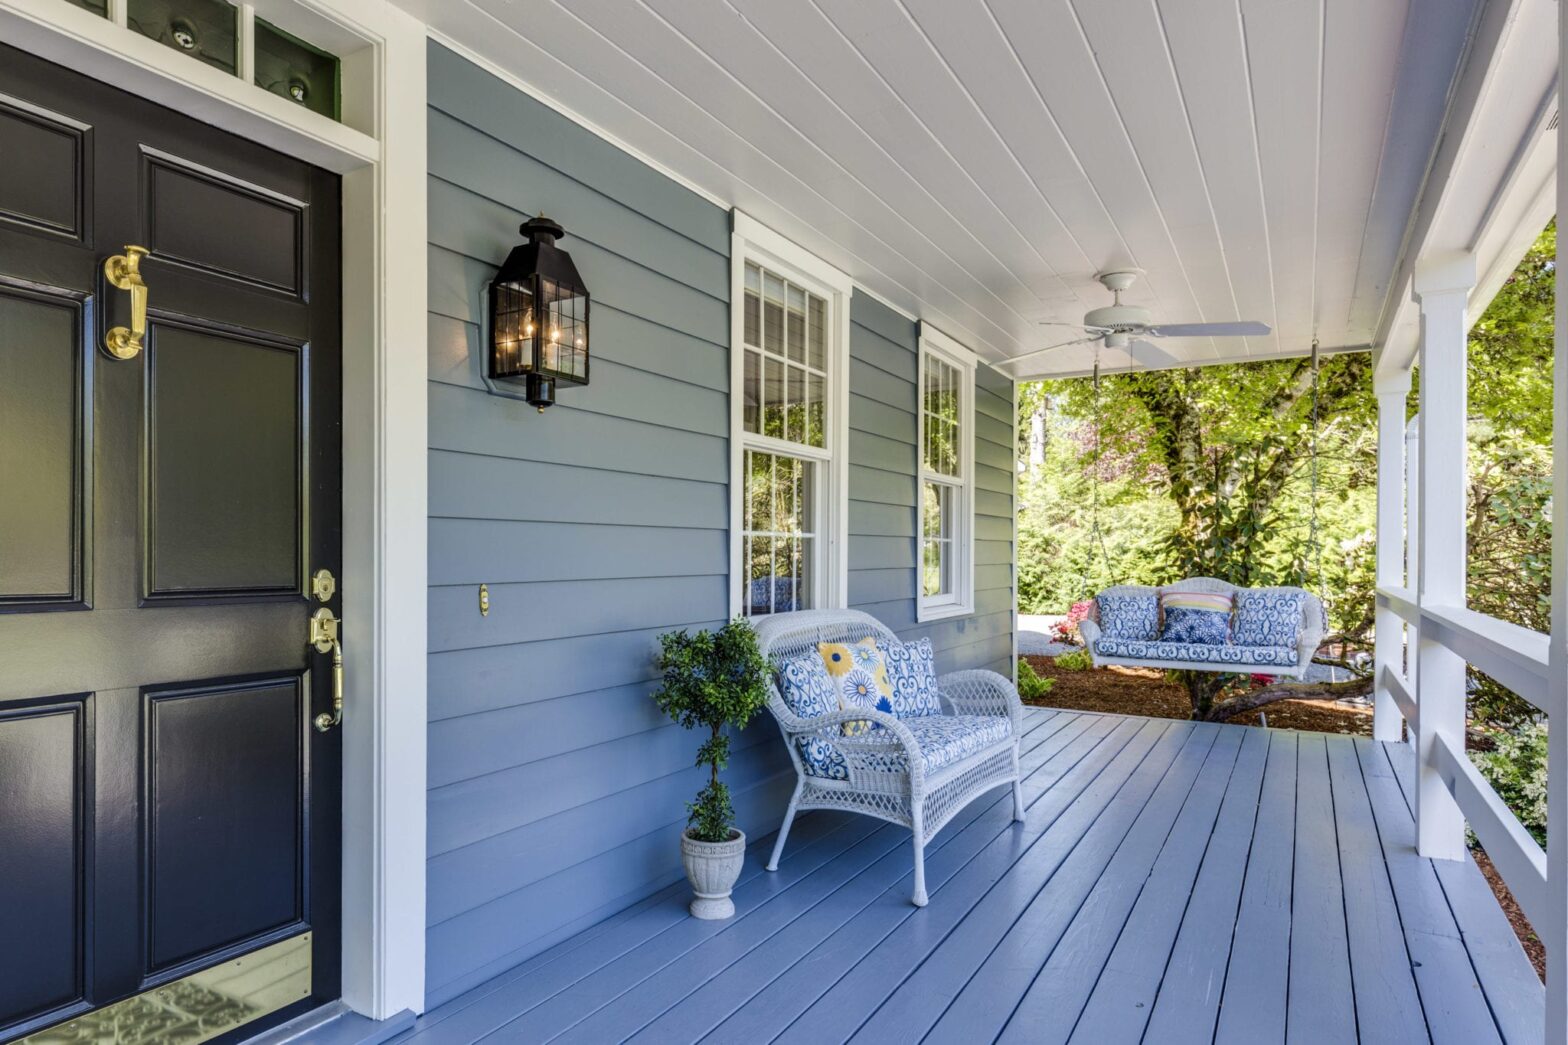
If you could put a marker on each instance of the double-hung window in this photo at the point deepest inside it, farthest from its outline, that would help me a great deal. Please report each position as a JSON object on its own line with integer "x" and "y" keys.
{"x": 789, "y": 395}
{"x": 947, "y": 477}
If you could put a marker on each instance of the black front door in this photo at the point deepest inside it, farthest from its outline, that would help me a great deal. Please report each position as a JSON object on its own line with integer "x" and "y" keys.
{"x": 169, "y": 813}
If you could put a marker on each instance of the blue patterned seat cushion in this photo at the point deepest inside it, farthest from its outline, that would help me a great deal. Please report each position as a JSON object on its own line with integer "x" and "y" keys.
{"x": 1204, "y": 653}
{"x": 942, "y": 739}
{"x": 911, "y": 667}
{"x": 1135, "y": 617}
{"x": 1268, "y": 618}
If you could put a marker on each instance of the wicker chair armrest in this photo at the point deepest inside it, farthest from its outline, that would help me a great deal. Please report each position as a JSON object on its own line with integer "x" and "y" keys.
{"x": 982, "y": 692}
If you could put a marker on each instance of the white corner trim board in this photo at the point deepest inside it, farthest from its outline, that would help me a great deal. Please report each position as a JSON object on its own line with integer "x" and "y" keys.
{"x": 380, "y": 151}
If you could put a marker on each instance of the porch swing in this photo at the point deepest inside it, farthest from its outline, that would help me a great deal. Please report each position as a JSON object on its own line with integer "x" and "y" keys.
{"x": 1275, "y": 631}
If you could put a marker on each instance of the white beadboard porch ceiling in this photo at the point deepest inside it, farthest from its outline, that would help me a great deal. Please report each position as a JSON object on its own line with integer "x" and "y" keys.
{"x": 977, "y": 162}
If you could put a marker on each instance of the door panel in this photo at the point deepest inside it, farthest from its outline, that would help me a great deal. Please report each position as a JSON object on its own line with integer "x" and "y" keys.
{"x": 44, "y": 781}
{"x": 265, "y": 244}
{"x": 41, "y": 447}
{"x": 226, "y": 430}
{"x": 178, "y": 830}
{"x": 225, "y": 859}
{"x": 47, "y": 189}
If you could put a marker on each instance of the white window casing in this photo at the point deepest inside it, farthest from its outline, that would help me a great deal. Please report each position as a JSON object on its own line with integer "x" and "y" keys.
{"x": 945, "y": 492}
{"x": 803, "y": 451}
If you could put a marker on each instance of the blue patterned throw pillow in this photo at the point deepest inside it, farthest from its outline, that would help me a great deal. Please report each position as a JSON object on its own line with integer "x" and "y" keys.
{"x": 1268, "y": 618}
{"x": 807, "y": 688}
{"x": 911, "y": 668}
{"x": 1198, "y": 617}
{"x": 1133, "y": 617}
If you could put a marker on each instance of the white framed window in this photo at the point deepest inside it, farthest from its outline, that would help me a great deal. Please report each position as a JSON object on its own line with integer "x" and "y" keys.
{"x": 946, "y": 566}
{"x": 789, "y": 399}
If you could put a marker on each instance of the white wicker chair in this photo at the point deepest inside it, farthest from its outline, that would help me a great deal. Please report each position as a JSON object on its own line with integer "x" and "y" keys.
{"x": 1309, "y": 635}
{"x": 908, "y": 796}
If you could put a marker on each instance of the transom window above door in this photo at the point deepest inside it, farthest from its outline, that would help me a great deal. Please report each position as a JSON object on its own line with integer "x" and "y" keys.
{"x": 789, "y": 383}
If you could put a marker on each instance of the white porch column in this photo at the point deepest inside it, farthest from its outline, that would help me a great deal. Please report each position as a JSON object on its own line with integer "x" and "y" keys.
{"x": 1412, "y": 546}
{"x": 1392, "y": 391}
{"x": 1554, "y": 934}
{"x": 1442, "y": 286}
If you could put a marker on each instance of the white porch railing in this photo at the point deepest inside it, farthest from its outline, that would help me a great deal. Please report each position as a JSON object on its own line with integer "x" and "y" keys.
{"x": 1516, "y": 658}
{"x": 1426, "y": 636}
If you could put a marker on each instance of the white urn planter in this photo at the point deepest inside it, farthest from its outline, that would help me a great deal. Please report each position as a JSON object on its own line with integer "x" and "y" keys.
{"x": 712, "y": 868}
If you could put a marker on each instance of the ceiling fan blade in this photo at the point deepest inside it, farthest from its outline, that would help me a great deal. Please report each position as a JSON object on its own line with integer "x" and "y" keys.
{"x": 1051, "y": 348}
{"x": 1243, "y": 329}
{"x": 1152, "y": 356}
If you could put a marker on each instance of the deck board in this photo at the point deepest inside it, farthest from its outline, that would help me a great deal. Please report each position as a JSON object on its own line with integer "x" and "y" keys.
{"x": 1172, "y": 882}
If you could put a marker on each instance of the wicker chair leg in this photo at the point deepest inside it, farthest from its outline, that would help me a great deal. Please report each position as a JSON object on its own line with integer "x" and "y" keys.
{"x": 1018, "y": 789}
{"x": 789, "y": 818}
{"x": 918, "y": 832}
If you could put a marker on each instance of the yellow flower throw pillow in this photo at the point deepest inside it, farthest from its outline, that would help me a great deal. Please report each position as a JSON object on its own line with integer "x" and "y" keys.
{"x": 859, "y": 674}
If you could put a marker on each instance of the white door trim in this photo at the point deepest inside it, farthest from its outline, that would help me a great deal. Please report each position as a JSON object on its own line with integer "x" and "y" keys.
{"x": 380, "y": 151}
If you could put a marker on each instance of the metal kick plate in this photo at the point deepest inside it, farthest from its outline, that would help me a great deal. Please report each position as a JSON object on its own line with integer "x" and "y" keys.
{"x": 200, "y": 1006}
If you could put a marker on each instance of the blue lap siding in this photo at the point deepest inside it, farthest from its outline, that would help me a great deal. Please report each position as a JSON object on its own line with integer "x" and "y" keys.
{"x": 555, "y": 789}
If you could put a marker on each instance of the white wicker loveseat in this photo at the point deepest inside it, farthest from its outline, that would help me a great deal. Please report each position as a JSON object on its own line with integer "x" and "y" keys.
{"x": 1290, "y": 657}
{"x": 885, "y": 771}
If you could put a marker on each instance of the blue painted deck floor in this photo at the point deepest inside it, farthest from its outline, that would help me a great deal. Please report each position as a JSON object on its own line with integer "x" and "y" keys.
{"x": 1174, "y": 882}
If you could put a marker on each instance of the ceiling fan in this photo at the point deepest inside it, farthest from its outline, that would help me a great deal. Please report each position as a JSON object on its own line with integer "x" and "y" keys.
{"x": 1128, "y": 327}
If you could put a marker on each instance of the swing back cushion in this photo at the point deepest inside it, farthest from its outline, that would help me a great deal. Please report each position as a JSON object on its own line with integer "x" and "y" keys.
{"x": 1267, "y": 617}
{"x": 1198, "y": 617}
{"x": 1135, "y": 618}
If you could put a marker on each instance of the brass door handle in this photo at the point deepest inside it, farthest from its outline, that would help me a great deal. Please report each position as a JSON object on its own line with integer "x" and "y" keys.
{"x": 324, "y": 638}
{"x": 124, "y": 272}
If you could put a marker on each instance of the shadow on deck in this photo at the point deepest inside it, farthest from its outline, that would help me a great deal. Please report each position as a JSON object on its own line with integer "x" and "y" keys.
{"x": 1174, "y": 882}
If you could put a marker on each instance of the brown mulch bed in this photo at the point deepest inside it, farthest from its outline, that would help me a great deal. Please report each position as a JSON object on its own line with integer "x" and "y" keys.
{"x": 1534, "y": 949}
{"x": 1144, "y": 691}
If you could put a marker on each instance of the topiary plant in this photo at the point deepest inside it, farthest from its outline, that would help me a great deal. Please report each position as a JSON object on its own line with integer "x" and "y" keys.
{"x": 712, "y": 679}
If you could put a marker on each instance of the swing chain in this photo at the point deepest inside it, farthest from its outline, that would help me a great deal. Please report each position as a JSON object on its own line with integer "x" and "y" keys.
{"x": 1314, "y": 539}
{"x": 1096, "y": 535}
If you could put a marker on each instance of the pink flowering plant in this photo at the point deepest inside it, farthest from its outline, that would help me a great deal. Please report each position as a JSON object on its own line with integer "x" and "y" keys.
{"x": 1066, "y": 630}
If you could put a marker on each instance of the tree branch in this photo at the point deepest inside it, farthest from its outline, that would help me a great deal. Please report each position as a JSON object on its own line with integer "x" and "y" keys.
{"x": 1257, "y": 698}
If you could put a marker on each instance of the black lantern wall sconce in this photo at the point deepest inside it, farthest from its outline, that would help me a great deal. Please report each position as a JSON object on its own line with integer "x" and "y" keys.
{"x": 539, "y": 317}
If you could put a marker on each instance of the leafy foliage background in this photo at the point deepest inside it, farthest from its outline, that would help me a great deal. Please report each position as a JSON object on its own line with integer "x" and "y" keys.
{"x": 1208, "y": 472}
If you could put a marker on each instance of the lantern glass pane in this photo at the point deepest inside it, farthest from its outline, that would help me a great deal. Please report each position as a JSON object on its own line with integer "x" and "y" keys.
{"x": 512, "y": 340}
{"x": 203, "y": 29}
{"x": 563, "y": 348}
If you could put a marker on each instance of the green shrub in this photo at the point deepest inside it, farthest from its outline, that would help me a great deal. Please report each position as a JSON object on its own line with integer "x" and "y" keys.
{"x": 712, "y": 679}
{"x": 1074, "y": 660}
{"x": 1031, "y": 686}
{"x": 1516, "y": 768}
